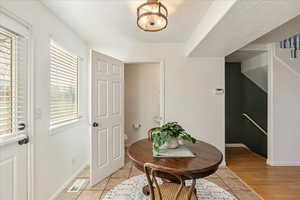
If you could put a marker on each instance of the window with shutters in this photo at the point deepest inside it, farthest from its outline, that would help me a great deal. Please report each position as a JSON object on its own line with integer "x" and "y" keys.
{"x": 63, "y": 86}
{"x": 12, "y": 83}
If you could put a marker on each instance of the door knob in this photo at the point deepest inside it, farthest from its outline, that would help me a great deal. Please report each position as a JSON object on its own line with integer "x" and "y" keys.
{"x": 95, "y": 124}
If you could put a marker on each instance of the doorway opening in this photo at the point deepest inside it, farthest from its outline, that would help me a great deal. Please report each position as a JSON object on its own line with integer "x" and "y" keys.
{"x": 246, "y": 105}
{"x": 143, "y": 101}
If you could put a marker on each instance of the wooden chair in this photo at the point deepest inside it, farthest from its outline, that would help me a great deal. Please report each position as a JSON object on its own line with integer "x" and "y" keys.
{"x": 168, "y": 190}
{"x": 150, "y": 131}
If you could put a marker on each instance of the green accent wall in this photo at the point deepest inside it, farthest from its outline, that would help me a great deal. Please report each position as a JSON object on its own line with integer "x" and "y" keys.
{"x": 244, "y": 96}
{"x": 233, "y": 102}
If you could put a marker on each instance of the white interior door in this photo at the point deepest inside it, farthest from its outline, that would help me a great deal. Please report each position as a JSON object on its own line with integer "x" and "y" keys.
{"x": 107, "y": 135}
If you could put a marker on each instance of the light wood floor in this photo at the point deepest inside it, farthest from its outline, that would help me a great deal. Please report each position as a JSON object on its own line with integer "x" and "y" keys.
{"x": 270, "y": 182}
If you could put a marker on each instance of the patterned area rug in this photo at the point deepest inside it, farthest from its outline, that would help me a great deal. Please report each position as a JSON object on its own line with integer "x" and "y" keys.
{"x": 131, "y": 189}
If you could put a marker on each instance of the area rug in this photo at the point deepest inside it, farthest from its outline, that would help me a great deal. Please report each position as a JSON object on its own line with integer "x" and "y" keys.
{"x": 131, "y": 189}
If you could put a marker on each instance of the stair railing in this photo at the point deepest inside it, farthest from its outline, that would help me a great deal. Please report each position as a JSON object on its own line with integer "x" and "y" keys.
{"x": 254, "y": 123}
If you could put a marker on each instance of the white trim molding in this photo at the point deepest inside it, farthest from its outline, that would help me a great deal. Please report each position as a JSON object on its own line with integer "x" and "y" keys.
{"x": 236, "y": 145}
{"x": 223, "y": 163}
{"x": 283, "y": 163}
{"x": 64, "y": 126}
{"x": 271, "y": 134}
{"x": 69, "y": 180}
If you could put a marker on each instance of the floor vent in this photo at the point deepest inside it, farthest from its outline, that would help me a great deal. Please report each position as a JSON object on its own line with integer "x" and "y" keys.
{"x": 78, "y": 183}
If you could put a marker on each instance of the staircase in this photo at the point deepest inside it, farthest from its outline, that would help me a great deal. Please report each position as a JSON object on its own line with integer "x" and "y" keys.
{"x": 246, "y": 106}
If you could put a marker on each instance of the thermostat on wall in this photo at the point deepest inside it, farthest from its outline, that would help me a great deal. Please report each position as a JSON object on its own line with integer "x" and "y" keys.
{"x": 219, "y": 91}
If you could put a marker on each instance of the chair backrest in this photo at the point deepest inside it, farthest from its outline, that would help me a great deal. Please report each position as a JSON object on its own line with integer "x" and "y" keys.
{"x": 151, "y": 171}
{"x": 150, "y": 131}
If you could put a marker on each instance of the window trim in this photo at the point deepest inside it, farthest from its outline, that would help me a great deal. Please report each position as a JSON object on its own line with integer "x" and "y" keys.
{"x": 64, "y": 126}
{"x": 61, "y": 126}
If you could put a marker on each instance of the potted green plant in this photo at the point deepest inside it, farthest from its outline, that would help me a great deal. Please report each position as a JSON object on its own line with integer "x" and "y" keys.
{"x": 168, "y": 135}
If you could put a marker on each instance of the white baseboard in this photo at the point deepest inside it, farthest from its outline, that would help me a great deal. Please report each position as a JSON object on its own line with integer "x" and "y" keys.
{"x": 60, "y": 189}
{"x": 282, "y": 163}
{"x": 236, "y": 145}
{"x": 223, "y": 163}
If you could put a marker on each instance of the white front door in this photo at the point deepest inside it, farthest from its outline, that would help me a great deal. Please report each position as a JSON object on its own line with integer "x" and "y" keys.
{"x": 13, "y": 111}
{"x": 107, "y": 135}
{"x": 13, "y": 170}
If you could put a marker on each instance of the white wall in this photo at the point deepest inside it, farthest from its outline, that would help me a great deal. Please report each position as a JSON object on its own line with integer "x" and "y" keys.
{"x": 284, "y": 31}
{"x": 285, "y": 98}
{"x": 142, "y": 99}
{"x": 57, "y": 156}
{"x": 256, "y": 69}
{"x": 189, "y": 87}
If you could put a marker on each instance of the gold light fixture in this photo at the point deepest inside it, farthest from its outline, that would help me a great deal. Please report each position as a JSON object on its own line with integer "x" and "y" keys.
{"x": 152, "y": 16}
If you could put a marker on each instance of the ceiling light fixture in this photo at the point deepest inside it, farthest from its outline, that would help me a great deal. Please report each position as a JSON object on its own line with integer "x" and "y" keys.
{"x": 152, "y": 16}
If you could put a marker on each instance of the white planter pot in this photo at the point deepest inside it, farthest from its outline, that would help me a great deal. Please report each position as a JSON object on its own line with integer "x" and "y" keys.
{"x": 172, "y": 143}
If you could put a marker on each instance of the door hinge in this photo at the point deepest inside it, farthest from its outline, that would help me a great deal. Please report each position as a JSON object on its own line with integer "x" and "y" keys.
{"x": 23, "y": 141}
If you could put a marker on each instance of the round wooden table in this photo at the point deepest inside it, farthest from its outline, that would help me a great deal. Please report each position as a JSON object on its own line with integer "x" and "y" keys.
{"x": 206, "y": 162}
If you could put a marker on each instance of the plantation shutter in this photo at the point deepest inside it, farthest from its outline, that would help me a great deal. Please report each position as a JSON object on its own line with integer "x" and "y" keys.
{"x": 13, "y": 83}
{"x": 63, "y": 85}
